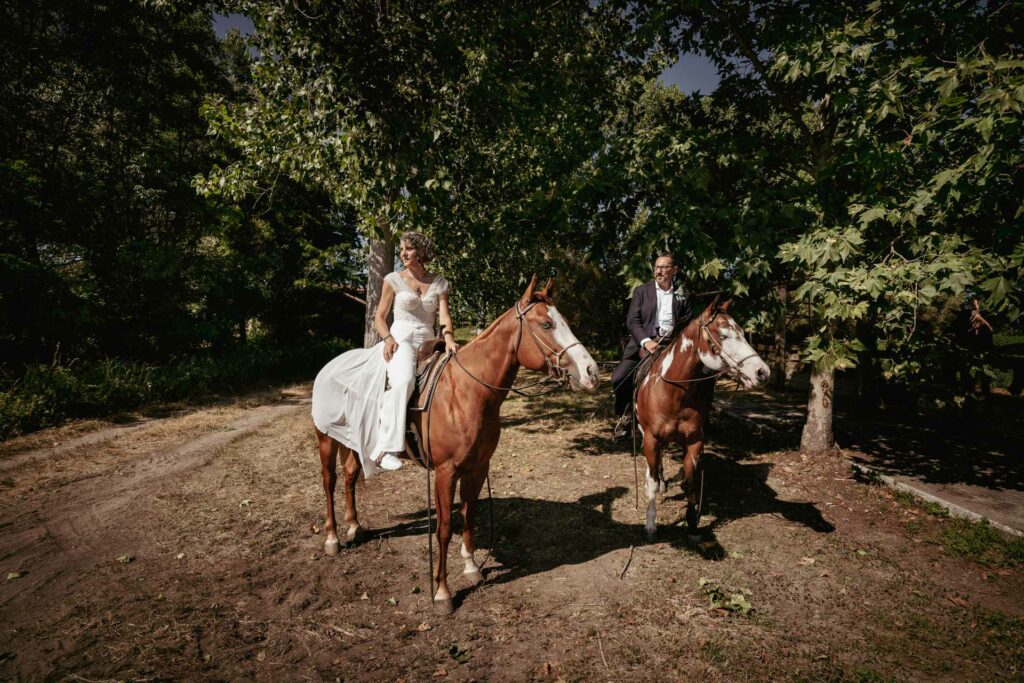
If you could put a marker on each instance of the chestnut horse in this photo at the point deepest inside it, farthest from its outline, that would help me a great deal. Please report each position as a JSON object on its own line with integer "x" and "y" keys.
{"x": 674, "y": 396}
{"x": 462, "y": 428}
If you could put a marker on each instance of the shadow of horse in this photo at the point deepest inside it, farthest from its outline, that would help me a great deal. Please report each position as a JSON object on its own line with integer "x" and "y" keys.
{"x": 532, "y": 536}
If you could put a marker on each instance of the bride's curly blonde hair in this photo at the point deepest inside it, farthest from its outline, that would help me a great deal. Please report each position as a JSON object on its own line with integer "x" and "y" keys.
{"x": 422, "y": 244}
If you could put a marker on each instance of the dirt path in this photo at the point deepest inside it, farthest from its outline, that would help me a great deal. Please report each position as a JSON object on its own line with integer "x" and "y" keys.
{"x": 190, "y": 548}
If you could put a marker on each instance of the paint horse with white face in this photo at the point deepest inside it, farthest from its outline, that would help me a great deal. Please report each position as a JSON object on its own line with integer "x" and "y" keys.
{"x": 674, "y": 396}
{"x": 461, "y": 429}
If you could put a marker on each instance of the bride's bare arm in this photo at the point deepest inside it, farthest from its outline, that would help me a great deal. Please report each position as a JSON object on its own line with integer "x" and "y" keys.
{"x": 446, "y": 322}
{"x": 380, "y": 320}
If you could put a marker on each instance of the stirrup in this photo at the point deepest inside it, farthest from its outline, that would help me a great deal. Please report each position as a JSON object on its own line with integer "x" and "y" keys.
{"x": 388, "y": 461}
{"x": 622, "y": 425}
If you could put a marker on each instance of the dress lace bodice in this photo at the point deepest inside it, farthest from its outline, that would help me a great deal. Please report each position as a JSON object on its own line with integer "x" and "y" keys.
{"x": 412, "y": 308}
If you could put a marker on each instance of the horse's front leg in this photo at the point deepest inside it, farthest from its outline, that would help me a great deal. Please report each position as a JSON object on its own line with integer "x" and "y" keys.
{"x": 693, "y": 473}
{"x": 652, "y": 453}
{"x": 470, "y": 487}
{"x": 328, "y": 449}
{"x": 444, "y": 497}
{"x": 353, "y": 467}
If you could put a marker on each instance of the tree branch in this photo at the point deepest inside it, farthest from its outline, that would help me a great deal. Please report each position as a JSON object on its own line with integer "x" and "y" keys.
{"x": 759, "y": 66}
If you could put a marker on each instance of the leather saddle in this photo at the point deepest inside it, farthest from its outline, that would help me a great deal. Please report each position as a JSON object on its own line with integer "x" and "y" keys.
{"x": 430, "y": 362}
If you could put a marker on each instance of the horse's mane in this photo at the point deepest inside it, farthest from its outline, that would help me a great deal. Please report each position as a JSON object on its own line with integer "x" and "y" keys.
{"x": 537, "y": 297}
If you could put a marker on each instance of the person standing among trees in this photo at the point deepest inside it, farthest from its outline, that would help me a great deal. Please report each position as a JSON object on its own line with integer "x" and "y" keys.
{"x": 654, "y": 311}
{"x": 352, "y": 403}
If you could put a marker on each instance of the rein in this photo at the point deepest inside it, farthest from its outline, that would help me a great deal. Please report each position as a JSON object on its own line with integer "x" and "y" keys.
{"x": 558, "y": 376}
{"x": 559, "y": 379}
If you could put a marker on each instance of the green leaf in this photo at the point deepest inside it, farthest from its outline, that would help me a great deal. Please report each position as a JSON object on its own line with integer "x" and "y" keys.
{"x": 871, "y": 215}
{"x": 948, "y": 86}
{"x": 985, "y": 127}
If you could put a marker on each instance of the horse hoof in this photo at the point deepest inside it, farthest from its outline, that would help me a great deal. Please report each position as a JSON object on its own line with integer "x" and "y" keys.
{"x": 473, "y": 578}
{"x": 444, "y": 607}
{"x": 355, "y": 536}
{"x": 331, "y": 547}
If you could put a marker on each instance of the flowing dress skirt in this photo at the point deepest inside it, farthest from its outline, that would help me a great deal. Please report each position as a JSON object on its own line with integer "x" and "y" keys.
{"x": 348, "y": 395}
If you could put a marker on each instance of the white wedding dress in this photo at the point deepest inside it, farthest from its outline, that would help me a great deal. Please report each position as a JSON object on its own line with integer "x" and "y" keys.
{"x": 350, "y": 403}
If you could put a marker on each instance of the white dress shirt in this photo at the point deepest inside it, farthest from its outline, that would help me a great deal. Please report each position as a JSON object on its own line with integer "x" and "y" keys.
{"x": 665, "y": 318}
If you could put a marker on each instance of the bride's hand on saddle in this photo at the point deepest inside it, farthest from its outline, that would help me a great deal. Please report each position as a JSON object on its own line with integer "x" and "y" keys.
{"x": 390, "y": 346}
{"x": 449, "y": 343}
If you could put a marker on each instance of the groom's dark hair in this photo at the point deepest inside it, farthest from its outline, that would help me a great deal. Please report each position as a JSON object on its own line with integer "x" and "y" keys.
{"x": 663, "y": 252}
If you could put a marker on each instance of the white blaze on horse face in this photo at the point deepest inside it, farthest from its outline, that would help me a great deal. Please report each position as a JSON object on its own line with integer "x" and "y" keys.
{"x": 652, "y": 512}
{"x": 712, "y": 361}
{"x": 582, "y": 367}
{"x": 741, "y": 356}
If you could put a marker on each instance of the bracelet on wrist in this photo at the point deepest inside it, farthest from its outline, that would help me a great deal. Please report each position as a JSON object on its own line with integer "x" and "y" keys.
{"x": 390, "y": 336}
{"x": 448, "y": 332}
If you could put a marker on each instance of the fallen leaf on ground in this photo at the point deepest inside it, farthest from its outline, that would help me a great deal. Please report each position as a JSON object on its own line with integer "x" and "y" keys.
{"x": 392, "y": 601}
{"x": 440, "y": 673}
{"x": 364, "y": 596}
{"x": 245, "y": 503}
{"x": 957, "y": 601}
{"x": 15, "y": 575}
{"x": 125, "y": 559}
{"x": 806, "y": 561}
{"x": 423, "y": 627}
{"x": 179, "y": 556}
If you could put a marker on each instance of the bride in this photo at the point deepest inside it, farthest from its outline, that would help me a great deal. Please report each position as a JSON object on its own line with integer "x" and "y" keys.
{"x": 350, "y": 402}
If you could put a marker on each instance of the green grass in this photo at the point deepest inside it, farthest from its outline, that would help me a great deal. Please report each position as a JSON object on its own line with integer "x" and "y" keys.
{"x": 980, "y": 542}
{"x": 977, "y": 541}
{"x": 910, "y": 500}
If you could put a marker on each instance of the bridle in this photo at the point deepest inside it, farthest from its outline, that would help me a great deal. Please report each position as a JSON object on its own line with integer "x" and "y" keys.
{"x": 713, "y": 341}
{"x": 557, "y": 376}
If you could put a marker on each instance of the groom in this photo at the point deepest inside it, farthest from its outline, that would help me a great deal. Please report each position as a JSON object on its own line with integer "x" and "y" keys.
{"x": 654, "y": 312}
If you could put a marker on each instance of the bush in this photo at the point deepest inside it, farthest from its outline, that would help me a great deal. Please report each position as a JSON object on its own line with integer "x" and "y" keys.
{"x": 48, "y": 395}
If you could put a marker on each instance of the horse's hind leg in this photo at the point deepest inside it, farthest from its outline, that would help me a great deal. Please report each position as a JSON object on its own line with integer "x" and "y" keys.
{"x": 328, "y": 448}
{"x": 652, "y": 453}
{"x": 352, "y": 468}
{"x": 693, "y": 485}
{"x": 470, "y": 488}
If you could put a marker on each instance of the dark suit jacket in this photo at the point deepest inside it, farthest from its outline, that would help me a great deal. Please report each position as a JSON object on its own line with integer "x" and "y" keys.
{"x": 642, "y": 318}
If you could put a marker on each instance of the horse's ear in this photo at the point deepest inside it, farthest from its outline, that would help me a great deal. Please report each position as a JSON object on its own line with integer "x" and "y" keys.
{"x": 528, "y": 294}
{"x": 549, "y": 288}
{"x": 725, "y": 306}
{"x": 709, "y": 311}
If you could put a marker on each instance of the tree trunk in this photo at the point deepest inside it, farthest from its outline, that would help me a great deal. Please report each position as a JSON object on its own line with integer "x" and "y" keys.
{"x": 780, "y": 359}
{"x": 817, "y": 435}
{"x": 379, "y": 263}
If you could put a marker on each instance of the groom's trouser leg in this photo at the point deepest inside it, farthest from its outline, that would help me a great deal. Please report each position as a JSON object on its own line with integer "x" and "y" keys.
{"x": 622, "y": 384}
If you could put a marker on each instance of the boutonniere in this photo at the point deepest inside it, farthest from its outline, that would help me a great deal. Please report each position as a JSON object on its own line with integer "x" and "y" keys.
{"x": 679, "y": 294}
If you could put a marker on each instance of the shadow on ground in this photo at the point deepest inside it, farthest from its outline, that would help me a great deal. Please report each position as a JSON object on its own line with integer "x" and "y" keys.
{"x": 533, "y": 536}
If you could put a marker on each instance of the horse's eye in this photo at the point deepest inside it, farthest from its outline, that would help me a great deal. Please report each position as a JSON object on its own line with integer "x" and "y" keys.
{"x": 546, "y": 325}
